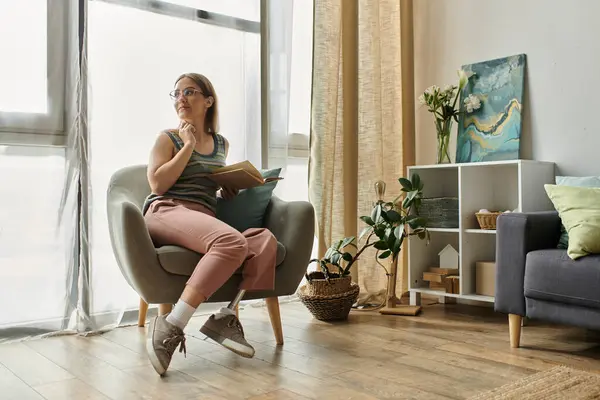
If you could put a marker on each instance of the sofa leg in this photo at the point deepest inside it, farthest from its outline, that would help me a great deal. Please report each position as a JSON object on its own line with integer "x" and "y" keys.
{"x": 164, "y": 309}
{"x": 275, "y": 316}
{"x": 514, "y": 326}
{"x": 142, "y": 313}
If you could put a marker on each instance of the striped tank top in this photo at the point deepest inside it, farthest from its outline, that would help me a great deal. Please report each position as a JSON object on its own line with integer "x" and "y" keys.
{"x": 191, "y": 185}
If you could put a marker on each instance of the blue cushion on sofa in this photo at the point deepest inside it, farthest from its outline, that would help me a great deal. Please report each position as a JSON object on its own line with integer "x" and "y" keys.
{"x": 247, "y": 209}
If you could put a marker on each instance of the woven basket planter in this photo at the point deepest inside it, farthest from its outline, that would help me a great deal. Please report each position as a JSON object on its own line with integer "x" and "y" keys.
{"x": 329, "y": 300}
{"x": 318, "y": 286}
{"x": 487, "y": 220}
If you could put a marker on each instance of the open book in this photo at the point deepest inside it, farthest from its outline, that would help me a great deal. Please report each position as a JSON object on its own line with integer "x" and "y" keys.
{"x": 239, "y": 176}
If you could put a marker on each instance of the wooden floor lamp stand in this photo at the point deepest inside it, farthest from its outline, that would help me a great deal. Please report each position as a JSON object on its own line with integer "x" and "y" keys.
{"x": 392, "y": 304}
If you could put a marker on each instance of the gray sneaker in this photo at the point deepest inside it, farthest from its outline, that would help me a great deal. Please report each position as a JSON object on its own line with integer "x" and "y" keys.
{"x": 162, "y": 341}
{"x": 226, "y": 330}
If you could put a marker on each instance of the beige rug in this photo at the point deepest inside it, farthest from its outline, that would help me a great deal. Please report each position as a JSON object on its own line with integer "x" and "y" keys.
{"x": 556, "y": 383}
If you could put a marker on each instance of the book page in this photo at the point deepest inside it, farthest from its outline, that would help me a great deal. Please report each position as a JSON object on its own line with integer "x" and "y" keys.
{"x": 244, "y": 165}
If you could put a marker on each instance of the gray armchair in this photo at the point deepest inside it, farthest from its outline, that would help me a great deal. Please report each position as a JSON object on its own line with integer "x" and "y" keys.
{"x": 534, "y": 279}
{"x": 159, "y": 275}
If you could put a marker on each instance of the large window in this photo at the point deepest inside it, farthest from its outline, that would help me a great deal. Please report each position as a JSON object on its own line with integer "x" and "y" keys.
{"x": 134, "y": 58}
{"x": 32, "y": 71}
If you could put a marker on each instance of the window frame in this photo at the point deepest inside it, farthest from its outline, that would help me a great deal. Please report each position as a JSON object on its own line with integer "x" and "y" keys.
{"x": 44, "y": 129}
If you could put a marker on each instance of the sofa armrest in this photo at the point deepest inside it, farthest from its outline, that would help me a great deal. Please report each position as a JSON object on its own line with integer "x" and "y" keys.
{"x": 293, "y": 224}
{"x": 516, "y": 235}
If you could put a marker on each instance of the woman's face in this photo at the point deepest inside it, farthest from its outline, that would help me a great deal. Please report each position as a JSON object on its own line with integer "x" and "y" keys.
{"x": 190, "y": 102}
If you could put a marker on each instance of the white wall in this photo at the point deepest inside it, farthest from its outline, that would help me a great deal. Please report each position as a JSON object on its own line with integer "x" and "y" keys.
{"x": 561, "y": 38}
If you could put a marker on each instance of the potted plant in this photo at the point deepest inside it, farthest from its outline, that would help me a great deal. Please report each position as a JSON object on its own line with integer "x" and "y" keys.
{"x": 329, "y": 292}
{"x": 442, "y": 104}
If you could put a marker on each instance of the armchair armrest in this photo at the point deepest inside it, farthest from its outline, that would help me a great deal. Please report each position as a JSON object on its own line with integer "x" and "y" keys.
{"x": 134, "y": 251}
{"x": 293, "y": 224}
{"x": 516, "y": 235}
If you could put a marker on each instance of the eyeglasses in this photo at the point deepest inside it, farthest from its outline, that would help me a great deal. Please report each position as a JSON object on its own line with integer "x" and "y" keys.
{"x": 187, "y": 92}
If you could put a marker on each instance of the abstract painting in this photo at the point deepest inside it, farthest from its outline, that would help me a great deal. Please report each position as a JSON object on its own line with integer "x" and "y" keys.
{"x": 493, "y": 132}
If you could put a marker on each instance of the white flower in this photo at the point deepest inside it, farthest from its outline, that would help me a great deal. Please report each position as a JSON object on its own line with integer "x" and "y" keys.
{"x": 472, "y": 103}
{"x": 449, "y": 88}
{"x": 432, "y": 89}
{"x": 422, "y": 99}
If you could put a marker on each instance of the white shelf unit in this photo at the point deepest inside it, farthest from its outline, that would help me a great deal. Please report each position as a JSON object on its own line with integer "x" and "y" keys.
{"x": 495, "y": 185}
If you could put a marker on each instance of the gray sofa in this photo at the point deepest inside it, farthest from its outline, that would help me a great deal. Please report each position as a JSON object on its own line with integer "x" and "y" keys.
{"x": 534, "y": 279}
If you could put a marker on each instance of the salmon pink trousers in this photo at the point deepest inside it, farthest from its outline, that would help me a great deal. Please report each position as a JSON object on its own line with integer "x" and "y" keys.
{"x": 193, "y": 226}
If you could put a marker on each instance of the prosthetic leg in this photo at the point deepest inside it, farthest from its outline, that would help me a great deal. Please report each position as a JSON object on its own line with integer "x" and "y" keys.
{"x": 233, "y": 305}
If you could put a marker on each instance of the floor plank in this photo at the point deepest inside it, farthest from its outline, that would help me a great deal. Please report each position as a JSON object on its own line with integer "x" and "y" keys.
{"x": 448, "y": 352}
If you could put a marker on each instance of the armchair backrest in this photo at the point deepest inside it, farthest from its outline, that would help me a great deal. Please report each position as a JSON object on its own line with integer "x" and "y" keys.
{"x": 130, "y": 182}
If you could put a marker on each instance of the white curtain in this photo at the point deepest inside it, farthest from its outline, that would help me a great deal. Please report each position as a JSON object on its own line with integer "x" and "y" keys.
{"x": 40, "y": 94}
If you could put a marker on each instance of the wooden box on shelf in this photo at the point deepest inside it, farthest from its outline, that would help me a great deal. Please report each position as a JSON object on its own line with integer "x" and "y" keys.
{"x": 485, "y": 278}
{"x": 442, "y": 279}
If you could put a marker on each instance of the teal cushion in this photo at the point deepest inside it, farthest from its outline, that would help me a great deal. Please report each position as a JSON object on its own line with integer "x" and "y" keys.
{"x": 247, "y": 209}
{"x": 577, "y": 181}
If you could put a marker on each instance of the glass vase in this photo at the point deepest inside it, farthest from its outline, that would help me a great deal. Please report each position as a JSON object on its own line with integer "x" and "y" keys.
{"x": 443, "y": 128}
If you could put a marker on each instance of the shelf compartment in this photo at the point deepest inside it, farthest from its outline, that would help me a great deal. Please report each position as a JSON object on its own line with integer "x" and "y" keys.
{"x": 476, "y": 247}
{"x": 491, "y": 187}
{"x": 423, "y": 256}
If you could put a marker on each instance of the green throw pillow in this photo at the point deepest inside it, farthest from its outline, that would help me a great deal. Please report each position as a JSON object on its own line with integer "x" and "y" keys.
{"x": 579, "y": 181}
{"x": 579, "y": 210}
{"x": 247, "y": 209}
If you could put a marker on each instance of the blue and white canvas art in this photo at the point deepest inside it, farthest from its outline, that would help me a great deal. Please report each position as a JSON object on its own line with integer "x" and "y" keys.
{"x": 493, "y": 132}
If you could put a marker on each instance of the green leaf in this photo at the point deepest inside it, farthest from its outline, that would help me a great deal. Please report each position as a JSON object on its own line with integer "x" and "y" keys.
{"x": 385, "y": 254}
{"x": 376, "y": 213}
{"x": 405, "y": 183}
{"x": 414, "y": 221}
{"x": 393, "y": 216}
{"x": 367, "y": 220}
{"x": 347, "y": 256}
{"x": 397, "y": 245}
{"x": 338, "y": 245}
{"x": 399, "y": 231}
{"x": 380, "y": 231}
{"x": 348, "y": 241}
{"x": 329, "y": 253}
{"x": 335, "y": 259}
{"x": 365, "y": 230}
{"x": 416, "y": 181}
{"x": 381, "y": 245}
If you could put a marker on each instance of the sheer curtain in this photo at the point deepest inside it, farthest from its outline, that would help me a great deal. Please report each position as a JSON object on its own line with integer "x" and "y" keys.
{"x": 134, "y": 58}
{"x": 38, "y": 208}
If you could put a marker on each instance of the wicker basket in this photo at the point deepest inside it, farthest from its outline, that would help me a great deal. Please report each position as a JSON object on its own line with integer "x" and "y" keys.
{"x": 487, "y": 220}
{"x": 333, "y": 307}
{"x": 318, "y": 286}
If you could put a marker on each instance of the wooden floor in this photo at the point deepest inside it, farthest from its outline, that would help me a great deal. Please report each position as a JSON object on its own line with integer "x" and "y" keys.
{"x": 448, "y": 352}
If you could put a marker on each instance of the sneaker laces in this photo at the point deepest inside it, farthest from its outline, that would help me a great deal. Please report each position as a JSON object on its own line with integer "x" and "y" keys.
{"x": 172, "y": 341}
{"x": 235, "y": 323}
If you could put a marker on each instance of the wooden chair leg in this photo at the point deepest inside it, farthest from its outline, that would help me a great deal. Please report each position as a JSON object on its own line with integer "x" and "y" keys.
{"x": 275, "y": 316}
{"x": 237, "y": 311}
{"x": 514, "y": 326}
{"x": 164, "y": 309}
{"x": 142, "y": 313}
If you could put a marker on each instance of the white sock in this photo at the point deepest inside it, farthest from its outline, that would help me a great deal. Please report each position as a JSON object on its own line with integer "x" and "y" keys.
{"x": 181, "y": 314}
{"x": 223, "y": 312}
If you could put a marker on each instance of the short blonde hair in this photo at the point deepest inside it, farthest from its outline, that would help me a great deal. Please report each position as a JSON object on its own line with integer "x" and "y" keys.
{"x": 211, "y": 122}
